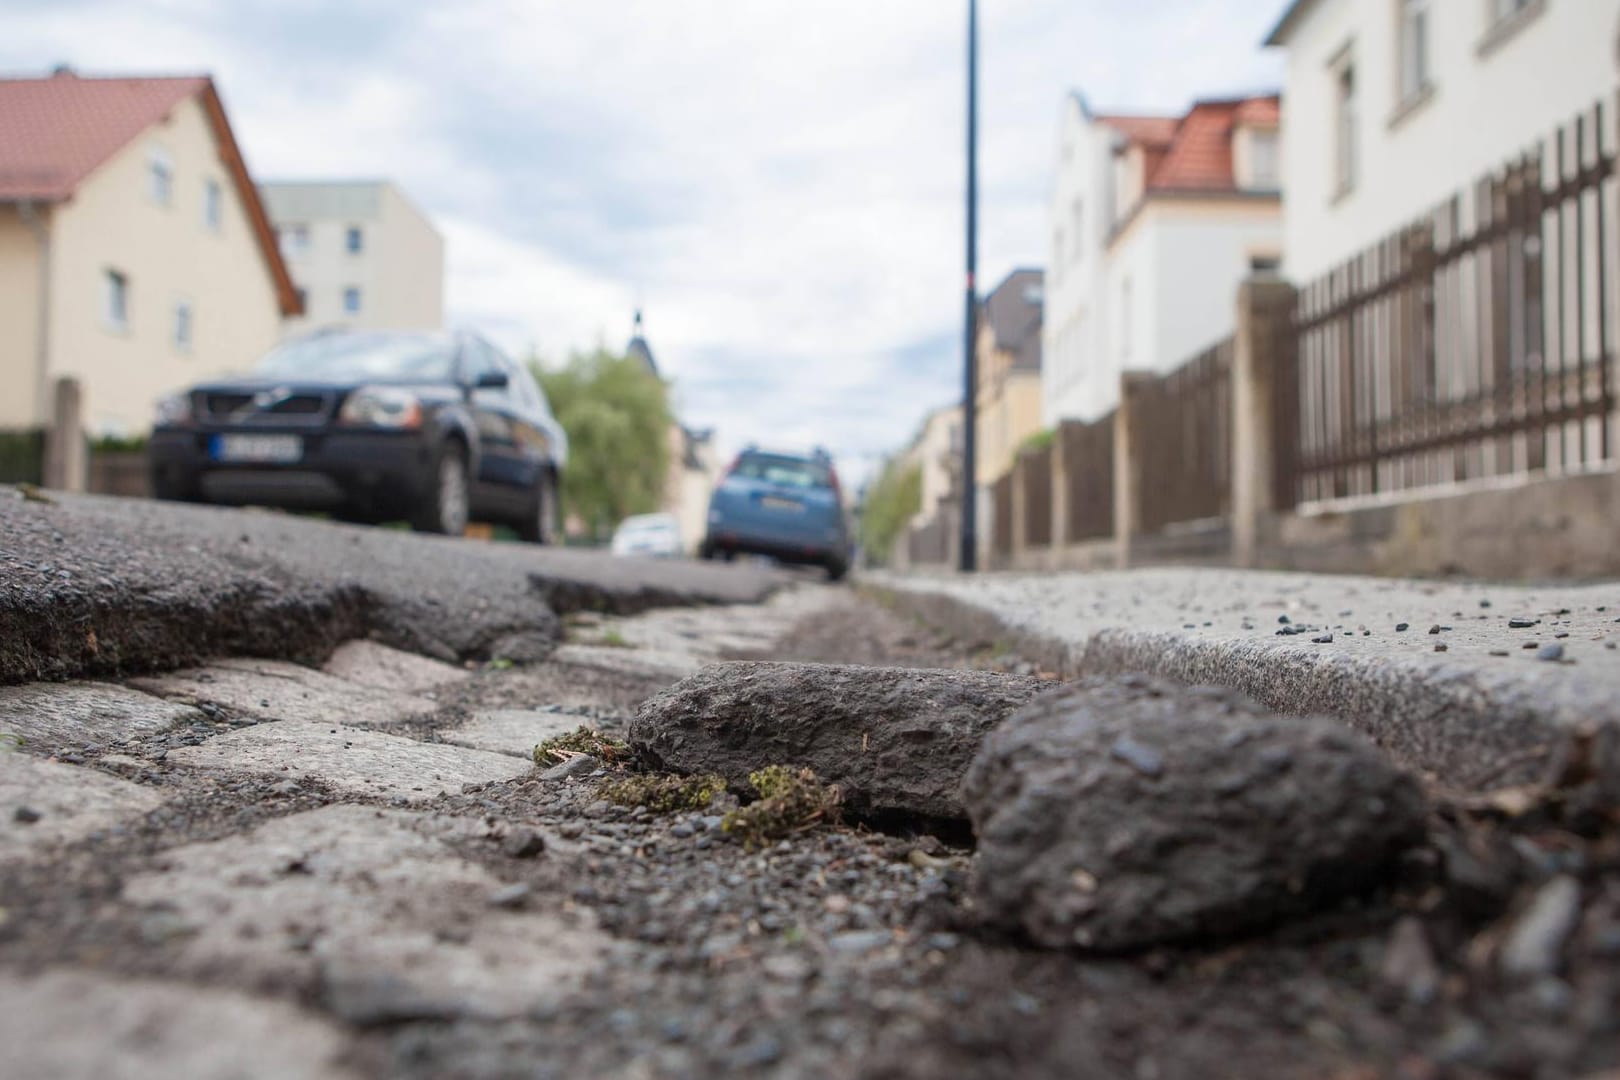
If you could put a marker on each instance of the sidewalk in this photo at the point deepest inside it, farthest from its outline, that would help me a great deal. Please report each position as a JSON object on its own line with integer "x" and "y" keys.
{"x": 1478, "y": 683}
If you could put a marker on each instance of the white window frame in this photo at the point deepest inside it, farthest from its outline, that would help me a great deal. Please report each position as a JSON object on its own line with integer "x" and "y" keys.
{"x": 294, "y": 239}
{"x": 213, "y": 204}
{"x": 1346, "y": 121}
{"x": 115, "y": 299}
{"x": 354, "y": 291}
{"x": 183, "y": 330}
{"x": 1265, "y": 166}
{"x": 160, "y": 176}
{"x": 1414, "y": 37}
{"x": 1125, "y": 319}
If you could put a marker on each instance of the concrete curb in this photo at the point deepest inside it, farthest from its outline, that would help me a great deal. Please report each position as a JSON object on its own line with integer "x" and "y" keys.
{"x": 1471, "y": 726}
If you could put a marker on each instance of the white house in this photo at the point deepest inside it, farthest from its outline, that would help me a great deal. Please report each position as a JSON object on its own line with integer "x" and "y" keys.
{"x": 1392, "y": 107}
{"x": 1154, "y": 222}
{"x": 361, "y": 254}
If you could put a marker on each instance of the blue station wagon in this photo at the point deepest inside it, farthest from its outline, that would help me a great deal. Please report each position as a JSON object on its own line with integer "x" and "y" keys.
{"x": 786, "y": 506}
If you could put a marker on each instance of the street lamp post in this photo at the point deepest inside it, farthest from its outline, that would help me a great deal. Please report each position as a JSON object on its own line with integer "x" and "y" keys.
{"x": 970, "y": 389}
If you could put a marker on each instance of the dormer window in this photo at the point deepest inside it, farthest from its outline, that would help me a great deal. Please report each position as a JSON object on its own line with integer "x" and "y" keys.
{"x": 1265, "y": 173}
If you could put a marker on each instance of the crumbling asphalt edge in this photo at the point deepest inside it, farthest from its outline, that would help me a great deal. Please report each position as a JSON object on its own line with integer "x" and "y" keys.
{"x": 1471, "y": 729}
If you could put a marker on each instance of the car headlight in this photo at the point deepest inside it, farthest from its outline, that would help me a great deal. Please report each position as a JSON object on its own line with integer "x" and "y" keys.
{"x": 173, "y": 410}
{"x": 382, "y": 406}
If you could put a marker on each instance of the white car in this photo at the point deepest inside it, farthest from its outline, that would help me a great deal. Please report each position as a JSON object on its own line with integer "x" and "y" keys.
{"x": 657, "y": 535}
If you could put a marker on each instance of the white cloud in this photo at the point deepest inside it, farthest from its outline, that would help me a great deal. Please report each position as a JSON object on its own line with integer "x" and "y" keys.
{"x": 778, "y": 182}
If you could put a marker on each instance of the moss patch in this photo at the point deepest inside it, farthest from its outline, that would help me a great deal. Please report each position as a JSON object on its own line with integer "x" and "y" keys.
{"x": 664, "y": 794}
{"x": 582, "y": 740}
{"x": 790, "y": 801}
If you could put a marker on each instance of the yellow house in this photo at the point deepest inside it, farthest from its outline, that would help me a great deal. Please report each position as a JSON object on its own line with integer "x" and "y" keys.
{"x": 1009, "y": 373}
{"x": 134, "y": 252}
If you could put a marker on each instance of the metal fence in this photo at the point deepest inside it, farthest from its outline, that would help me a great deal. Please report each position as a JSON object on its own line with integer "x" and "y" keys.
{"x": 1475, "y": 342}
{"x": 1185, "y": 421}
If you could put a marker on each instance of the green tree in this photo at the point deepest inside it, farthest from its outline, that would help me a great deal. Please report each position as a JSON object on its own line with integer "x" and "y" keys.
{"x": 891, "y": 502}
{"x": 617, "y": 416}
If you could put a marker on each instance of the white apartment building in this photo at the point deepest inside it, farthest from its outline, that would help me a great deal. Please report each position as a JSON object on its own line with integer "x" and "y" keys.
{"x": 1154, "y": 222}
{"x": 1392, "y": 107}
{"x": 360, "y": 253}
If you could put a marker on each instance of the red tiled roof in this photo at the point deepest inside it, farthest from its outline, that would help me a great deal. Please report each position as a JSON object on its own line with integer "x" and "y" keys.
{"x": 56, "y": 131}
{"x": 1196, "y": 155}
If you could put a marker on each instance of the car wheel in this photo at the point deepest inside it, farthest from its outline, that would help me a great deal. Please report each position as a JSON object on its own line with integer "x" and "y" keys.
{"x": 540, "y": 527}
{"x": 174, "y": 486}
{"x": 836, "y": 569}
{"x": 446, "y": 508}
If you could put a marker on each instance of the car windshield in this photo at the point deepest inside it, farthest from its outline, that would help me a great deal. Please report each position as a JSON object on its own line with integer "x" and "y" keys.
{"x": 389, "y": 357}
{"x": 783, "y": 471}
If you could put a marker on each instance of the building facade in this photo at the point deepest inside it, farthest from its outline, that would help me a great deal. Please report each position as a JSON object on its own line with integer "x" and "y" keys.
{"x": 1154, "y": 220}
{"x": 362, "y": 255}
{"x": 1009, "y": 373}
{"x": 1393, "y": 107}
{"x": 135, "y": 254}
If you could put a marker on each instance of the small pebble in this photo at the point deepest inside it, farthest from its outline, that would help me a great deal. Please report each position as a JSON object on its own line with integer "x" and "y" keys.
{"x": 25, "y": 815}
{"x": 1519, "y": 622}
{"x": 523, "y": 844}
{"x": 1325, "y": 639}
{"x": 1401, "y": 628}
{"x": 1441, "y": 646}
{"x": 1551, "y": 652}
{"x": 512, "y": 896}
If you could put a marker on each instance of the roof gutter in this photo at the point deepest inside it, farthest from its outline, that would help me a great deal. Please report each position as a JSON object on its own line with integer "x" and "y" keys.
{"x": 29, "y": 212}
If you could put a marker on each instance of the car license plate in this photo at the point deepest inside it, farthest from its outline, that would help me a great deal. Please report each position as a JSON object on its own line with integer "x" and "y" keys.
{"x": 782, "y": 504}
{"x": 265, "y": 448}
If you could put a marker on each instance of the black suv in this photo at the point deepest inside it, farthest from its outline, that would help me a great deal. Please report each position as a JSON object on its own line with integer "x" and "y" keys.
{"x": 371, "y": 426}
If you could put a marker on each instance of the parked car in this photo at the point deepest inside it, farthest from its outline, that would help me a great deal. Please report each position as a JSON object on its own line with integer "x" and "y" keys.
{"x": 784, "y": 505}
{"x": 435, "y": 428}
{"x": 648, "y": 534}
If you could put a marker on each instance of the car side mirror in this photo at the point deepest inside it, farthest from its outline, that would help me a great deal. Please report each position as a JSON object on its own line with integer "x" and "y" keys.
{"x": 492, "y": 380}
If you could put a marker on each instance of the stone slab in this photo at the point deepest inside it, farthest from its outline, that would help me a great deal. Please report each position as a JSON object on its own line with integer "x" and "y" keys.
{"x": 511, "y": 731}
{"x": 51, "y": 715}
{"x": 353, "y": 760}
{"x": 1481, "y": 710}
{"x": 370, "y": 663}
{"x": 75, "y": 1025}
{"x": 273, "y": 690}
{"x": 377, "y": 908}
{"x": 71, "y": 803}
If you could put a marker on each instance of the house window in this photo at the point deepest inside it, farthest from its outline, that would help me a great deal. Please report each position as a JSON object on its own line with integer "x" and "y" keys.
{"x": 1264, "y": 174}
{"x": 1264, "y": 265}
{"x": 1077, "y": 212}
{"x": 182, "y": 326}
{"x": 351, "y": 299}
{"x": 1125, "y": 319}
{"x": 213, "y": 205}
{"x": 353, "y": 241}
{"x": 1414, "y": 46}
{"x": 294, "y": 239}
{"x": 1345, "y": 125}
{"x": 160, "y": 176}
{"x": 115, "y": 299}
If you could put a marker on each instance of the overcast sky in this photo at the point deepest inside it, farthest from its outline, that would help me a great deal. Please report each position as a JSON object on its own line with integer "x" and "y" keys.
{"x": 777, "y": 183}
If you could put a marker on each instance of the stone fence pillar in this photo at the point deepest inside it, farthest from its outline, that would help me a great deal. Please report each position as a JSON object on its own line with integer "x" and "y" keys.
{"x": 1264, "y": 342}
{"x": 67, "y": 459}
{"x": 1129, "y": 440}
